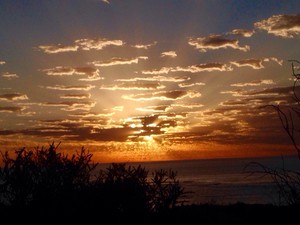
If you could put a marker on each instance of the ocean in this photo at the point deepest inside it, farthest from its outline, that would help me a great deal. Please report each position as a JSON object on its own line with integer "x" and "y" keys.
{"x": 225, "y": 181}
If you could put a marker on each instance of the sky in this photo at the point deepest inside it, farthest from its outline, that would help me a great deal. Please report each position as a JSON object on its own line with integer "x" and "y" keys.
{"x": 137, "y": 80}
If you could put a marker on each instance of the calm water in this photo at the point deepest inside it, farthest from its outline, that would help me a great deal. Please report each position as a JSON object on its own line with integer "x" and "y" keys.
{"x": 225, "y": 181}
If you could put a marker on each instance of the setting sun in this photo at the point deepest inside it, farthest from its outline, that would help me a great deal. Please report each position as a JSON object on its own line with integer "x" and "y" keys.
{"x": 168, "y": 74}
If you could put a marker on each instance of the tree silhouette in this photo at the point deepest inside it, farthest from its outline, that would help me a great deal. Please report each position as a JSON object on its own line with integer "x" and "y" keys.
{"x": 287, "y": 181}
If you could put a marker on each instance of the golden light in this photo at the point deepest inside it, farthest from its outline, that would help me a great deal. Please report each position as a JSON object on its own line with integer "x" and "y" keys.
{"x": 148, "y": 138}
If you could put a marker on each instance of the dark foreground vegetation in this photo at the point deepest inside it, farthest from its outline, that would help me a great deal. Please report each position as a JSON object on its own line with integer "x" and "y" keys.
{"x": 43, "y": 186}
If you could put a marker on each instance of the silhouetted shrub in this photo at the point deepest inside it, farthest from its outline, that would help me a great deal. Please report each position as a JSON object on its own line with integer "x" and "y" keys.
{"x": 53, "y": 183}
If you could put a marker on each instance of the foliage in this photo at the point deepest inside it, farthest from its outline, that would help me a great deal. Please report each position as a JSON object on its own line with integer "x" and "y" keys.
{"x": 48, "y": 181}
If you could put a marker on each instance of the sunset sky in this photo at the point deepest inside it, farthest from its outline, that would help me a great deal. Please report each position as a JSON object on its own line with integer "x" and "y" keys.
{"x": 135, "y": 80}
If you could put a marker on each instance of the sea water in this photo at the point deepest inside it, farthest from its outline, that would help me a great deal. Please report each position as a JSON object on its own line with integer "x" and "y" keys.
{"x": 225, "y": 181}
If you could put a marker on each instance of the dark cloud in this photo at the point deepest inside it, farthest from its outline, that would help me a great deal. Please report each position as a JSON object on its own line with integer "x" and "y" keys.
{"x": 84, "y": 44}
{"x": 158, "y": 78}
{"x": 158, "y": 108}
{"x": 162, "y": 95}
{"x": 13, "y": 97}
{"x": 134, "y": 86}
{"x": 119, "y": 61}
{"x": 75, "y": 96}
{"x": 207, "y": 67}
{"x": 11, "y": 109}
{"x": 286, "y": 26}
{"x": 71, "y": 106}
{"x": 72, "y": 87}
{"x": 253, "y": 83}
{"x": 255, "y": 63}
{"x": 242, "y": 32}
{"x": 214, "y": 41}
{"x": 97, "y": 44}
{"x": 91, "y": 73}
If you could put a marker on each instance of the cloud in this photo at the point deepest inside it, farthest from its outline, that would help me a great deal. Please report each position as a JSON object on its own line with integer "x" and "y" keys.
{"x": 71, "y": 106}
{"x": 91, "y": 73}
{"x": 286, "y": 26}
{"x": 105, "y": 1}
{"x": 134, "y": 86}
{"x": 214, "y": 41}
{"x": 157, "y": 108}
{"x": 9, "y": 76}
{"x": 184, "y": 85}
{"x": 71, "y": 88}
{"x": 163, "y": 70}
{"x": 171, "y": 54}
{"x": 235, "y": 93}
{"x": 12, "y": 109}
{"x": 2, "y": 62}
{"x": 83, "y": 44}
{"x": 255, "y": 63}
{"x": 158, "y": 78}
{"x": 242, "y": 32}
{"x": 53, "y": 49}
{"x": 119, "y": 61}
{"x": 118, "y": 108}
{"x": 188, "y": 105}
{"x": 97, "y": 44}
{"x": 162, "y": 95}
{"x": 144, "y": 46}
{"x": 13, "y": 97}
{"x": 76, "y": 96}
{"x": 253, "y": 83}
{"x": 207, "y": 67}
{"x": 92, "y": 114}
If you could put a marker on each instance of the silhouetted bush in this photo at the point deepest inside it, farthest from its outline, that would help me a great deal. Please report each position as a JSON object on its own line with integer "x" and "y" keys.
{"x": 53, "y": 183}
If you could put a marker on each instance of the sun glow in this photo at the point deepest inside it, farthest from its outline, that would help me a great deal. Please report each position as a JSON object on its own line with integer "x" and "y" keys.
{"x": 148, "y": 138}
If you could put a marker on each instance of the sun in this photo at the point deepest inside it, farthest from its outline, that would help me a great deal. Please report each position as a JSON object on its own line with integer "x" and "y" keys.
{"x": 148, "y": 138}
